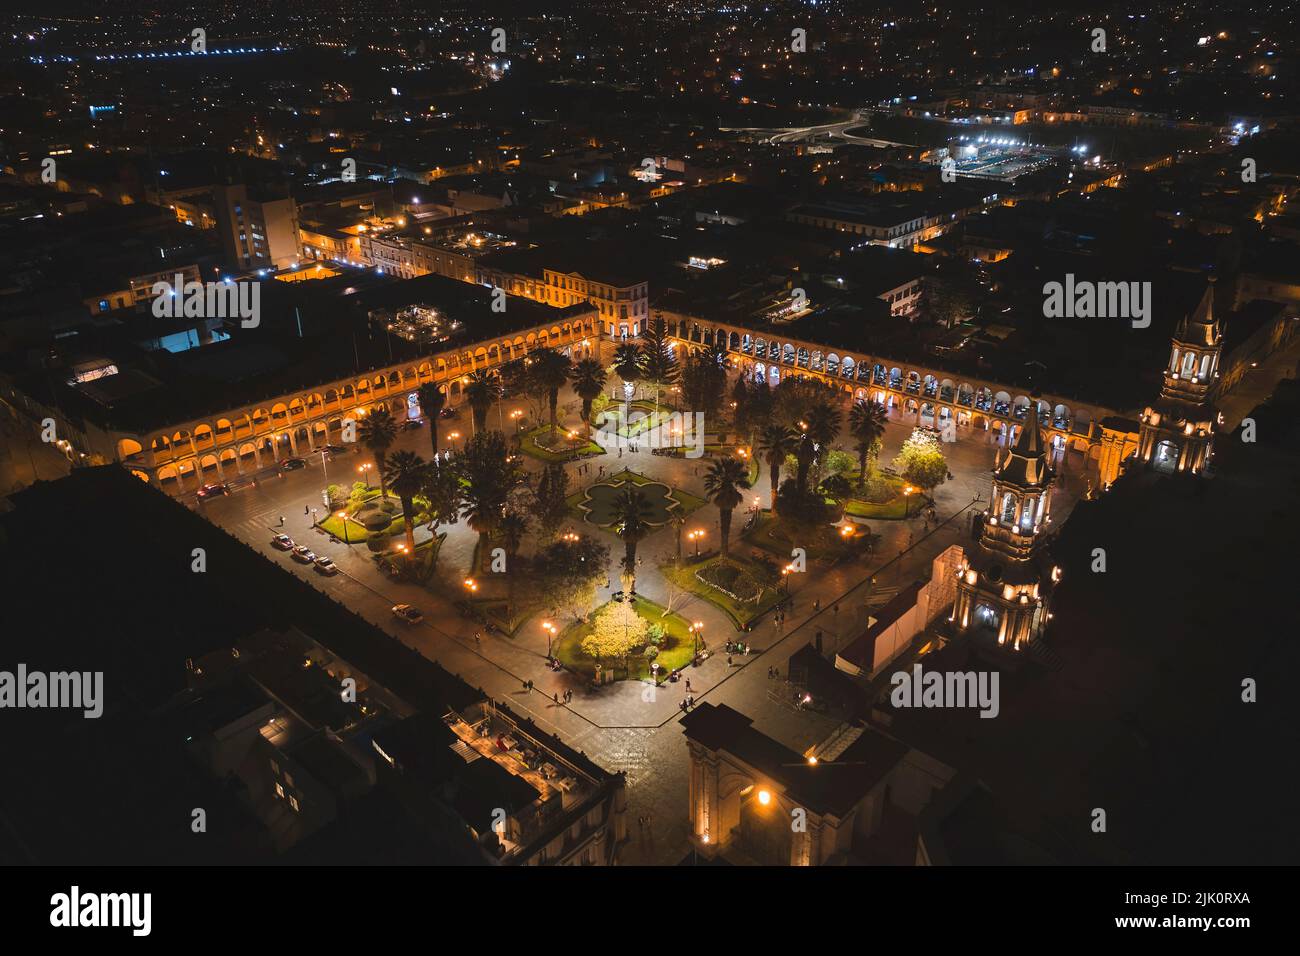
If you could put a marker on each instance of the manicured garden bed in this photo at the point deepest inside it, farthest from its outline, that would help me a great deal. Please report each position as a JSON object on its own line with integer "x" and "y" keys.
{"x": 540, "y": 443}
{"x": 725, "y": 582}
{"x": 676, "y": 649}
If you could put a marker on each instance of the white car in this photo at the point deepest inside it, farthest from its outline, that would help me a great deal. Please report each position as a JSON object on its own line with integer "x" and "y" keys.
{"x": 304, "y": 554}
{"x": 326, "y": 566}
{"x": 408, "y": 614}
{"x": 282, "y": 542}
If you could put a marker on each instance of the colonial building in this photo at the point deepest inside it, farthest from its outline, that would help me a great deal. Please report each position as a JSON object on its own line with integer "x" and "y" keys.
{"x": 1177, "y": 433}
{"x": 755, "y": 801}
{"x": 1004, "y": 584}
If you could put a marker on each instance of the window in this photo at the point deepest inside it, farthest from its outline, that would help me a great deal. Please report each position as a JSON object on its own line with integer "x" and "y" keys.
{"x": 279, "y": 790}
{"x": 293, "y": 802}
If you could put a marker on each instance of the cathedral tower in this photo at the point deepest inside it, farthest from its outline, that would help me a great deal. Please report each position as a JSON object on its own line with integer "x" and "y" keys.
{"x": 1004, "y": 584}
{"x": 1177, "y": 432}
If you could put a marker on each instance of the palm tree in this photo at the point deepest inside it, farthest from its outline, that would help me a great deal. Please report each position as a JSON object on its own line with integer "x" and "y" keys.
{"x": 631, "y": 513}
{"x": 440, "y": 489}
{"x": 866, "y": 425}
{"x": 378, "y": 432}
{"x": 550, "y": 370}
{"x": 777, "y": 442}
{"x": 481, "y": 391}
{"x": 589, "y": 378}
{"x": 488, "y": 475}
{"x": 405, "y": 472}
{"x": 723, "y": 483}
{"x": 627, "y": 362}
{"x": 432, "y": 400}
{"x": 819, "y": 429}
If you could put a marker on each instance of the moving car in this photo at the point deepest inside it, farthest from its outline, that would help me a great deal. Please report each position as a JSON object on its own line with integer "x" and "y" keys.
{"x": 293, "y": 464}
{"x": 411, "y": 424}
{"x": 337, "y": 449}
{"x": 449, "y": 412}
{"x": 212, "y": 491}
{"x": 304, "y": 554}
{"x": 282, "y": 542}
{"x": 326, "y": 566}
{"x": 404, "y": 612}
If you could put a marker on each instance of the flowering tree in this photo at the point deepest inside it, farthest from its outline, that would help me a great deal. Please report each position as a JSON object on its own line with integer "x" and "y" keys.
{"x": 616, "y": 631}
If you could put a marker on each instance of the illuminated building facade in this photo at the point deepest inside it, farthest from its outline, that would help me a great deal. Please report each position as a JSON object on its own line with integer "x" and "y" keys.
{"x": 1004, "y": 584}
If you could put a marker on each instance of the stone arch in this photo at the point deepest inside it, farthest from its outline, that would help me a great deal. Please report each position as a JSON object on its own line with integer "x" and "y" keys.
{"x": 930, "y": 386}
{"x": 1020, "y": 407}
{"x": 947, "y": 390}
{"x": 847, "y": 367}
{"x": 1001, "y": 403}
{"x": 203, "y": 436}
{"x": 127, "y": 447}
{"x": 297, "y": 409}
{"x": 279, "y": 413}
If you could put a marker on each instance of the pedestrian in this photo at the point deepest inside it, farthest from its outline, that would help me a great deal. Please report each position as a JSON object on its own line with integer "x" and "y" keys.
{"x": 728, "y": 660}
{"x": 817, "y": 605}
{"x": 835, "y": 610}
{"x": 556, "y": 697}
{"x": 281, "y": 521}
{"x": 776, "y": 673}
{"x": 688, "y": 685}
{"x": 306, "y": 510}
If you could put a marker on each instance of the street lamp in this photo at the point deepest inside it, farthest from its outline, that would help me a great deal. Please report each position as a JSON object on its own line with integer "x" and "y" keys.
{"x": 908, "y": 491}
{"x": 365, "y": 474}
{"x": 550, "y": 636}
{"x": 695, "y": 536}
{"x": 785, "y": 576}
{"x": 697, "y": 636}
{"x": 471, "y": 585}
{"x": 343, "y": 516}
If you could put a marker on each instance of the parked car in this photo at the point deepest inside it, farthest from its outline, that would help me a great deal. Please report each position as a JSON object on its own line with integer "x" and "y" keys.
{"x": 326, "y": 566}
{"x": 408, "y": 614}
{"x": 304, "y": 554}
{"x": 282, "y": 542}
{"x": 293, "y": 464}
{"x": 213, "y": 491}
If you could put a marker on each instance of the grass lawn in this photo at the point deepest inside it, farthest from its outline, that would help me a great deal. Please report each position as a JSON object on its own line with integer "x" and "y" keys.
{"x": 740, "y": 612}
{"x": 881, "y": 498}
{"x": 358, "y": 533}
{"x": 778, "y": 536}
{"x": 531, "y": 443}
{"x": 676, "y": 650}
